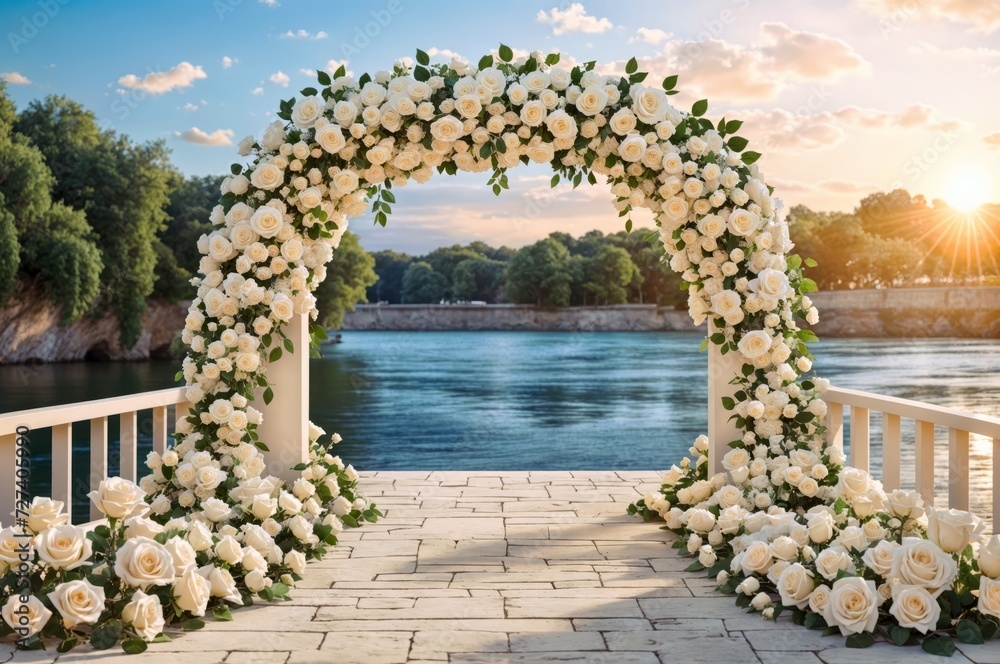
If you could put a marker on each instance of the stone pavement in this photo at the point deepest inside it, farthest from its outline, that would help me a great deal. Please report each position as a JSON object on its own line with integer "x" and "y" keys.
{"x": 513, "y": 567}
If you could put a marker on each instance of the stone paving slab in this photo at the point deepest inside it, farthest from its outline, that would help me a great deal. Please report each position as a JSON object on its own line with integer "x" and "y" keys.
{"x": 493, "y": 567}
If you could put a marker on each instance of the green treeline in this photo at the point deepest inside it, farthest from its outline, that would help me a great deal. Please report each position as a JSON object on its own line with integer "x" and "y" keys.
{"x": 101, "y": 223}
{"x": 558, "y": 271}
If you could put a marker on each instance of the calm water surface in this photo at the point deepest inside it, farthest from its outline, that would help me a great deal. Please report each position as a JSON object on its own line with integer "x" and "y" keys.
{"x": 548, "y": 400}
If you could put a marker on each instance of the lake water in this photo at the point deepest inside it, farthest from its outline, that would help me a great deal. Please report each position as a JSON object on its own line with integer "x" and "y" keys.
{"x": 544, "y": 401}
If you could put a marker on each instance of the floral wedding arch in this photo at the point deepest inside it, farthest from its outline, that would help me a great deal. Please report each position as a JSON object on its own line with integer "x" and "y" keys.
{"x": 786, "y": 526}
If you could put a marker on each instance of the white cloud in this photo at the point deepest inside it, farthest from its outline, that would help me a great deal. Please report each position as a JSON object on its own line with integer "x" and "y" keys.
{"x": 445, "y": 53}
{"x": 270, "y": 3}
{"x": 333, "y": 65}
{"x": 778, "y": 130}
{"x": 723, "y": 70}
{"x": 992, "y": 140}
{"x": 311, "y": 73}
{"x": 808, "y": 55}
{"x": 190, "y": 107}
{"x": 182, "y": 76}
{"x": 304, "y": 34}
{"x": 257, "y": 91}
{"x": 844, "y": 187}
{"x": 987, "y": 58}
{"x": 650, "y": 36}
{"x": 279, "y": 78}
{"x": 15, "y": 78}
{"x": 983, "y": 14}
{"x": 198, "y": 137}
{"x": 228, "y": 62}
{"x": 573, "y": 19}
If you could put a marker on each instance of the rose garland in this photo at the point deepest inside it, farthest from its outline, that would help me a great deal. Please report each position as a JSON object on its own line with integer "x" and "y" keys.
{"x": 218, "y": 533}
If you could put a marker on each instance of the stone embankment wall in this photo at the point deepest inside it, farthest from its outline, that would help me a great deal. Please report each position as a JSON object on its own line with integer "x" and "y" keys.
{"x": 904, "y": 312}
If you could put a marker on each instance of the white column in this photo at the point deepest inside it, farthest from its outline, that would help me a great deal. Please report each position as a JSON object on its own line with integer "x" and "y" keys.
{"x": 721, "y": 430}
{"x": 285, "y": 429}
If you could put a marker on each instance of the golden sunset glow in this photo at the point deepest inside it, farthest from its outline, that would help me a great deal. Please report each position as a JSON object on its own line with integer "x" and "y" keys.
{"x": 967, "y": 191}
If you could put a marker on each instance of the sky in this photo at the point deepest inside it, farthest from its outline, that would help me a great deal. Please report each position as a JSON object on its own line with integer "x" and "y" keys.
{"x": 843, "y": 97}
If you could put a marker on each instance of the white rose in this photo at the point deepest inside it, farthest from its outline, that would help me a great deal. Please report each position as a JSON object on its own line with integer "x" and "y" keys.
{"x": 921, "y": 563}
{"x": 295, "y": 561}
{"x": 267, "y": 176}
{"x": 633, "y": 148}
{"x": 755, "y": 344}
{"x": 216, "y": 510}
{"x": 255, "y": 581}
{"x": 144, "y": 614}
{"x": 905, "y": 504}
{"x": 447, "y": 128}
{"x": 306, "y": 111}
{"x": 989, "y": 597}
{"x": 221, "y": 583}
{"x": 266, "y": 221}
{"x": 192, "y": 592}
{"x": 331, "y": 138}
{"x": 78, "y": 602}
{"x": 44, "y": 513}
{"x": 25, "y": 618}
{"x": 468, "y": 106}
{"x": 64, "y": 547}
{"x": 952, "y": 530}
{"x": 650, "y": 105}
{"x": 914, "y": 607}
{"x": 117, "y": 498}
{"x": 229, "y": 550}
{"x": 831, "y": 561}
{"x": 183, "y": 554}
{"x": 592, "y": 101}
{"x": 724, "y": 303}
{"x": 795, "y": 585}
{"x": 756, "y": 558}
{"x": 989, "y": 557}
{"x": 853, "y": 606}
{"x": 742, "y": 222}
{"x": 143, "y": 562}
{"x": 700, "y": 521}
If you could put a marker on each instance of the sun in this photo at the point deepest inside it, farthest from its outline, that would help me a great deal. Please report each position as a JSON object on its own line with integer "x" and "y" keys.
{"x": 968, "y": 190}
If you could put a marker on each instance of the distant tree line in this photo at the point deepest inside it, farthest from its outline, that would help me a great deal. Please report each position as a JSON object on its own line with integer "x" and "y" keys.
{"x": 894, "y": 240}
{"x": 558, "y": 271}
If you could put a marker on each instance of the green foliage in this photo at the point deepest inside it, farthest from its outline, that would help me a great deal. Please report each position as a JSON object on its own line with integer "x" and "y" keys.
{"x": 478, "y": 279}
{"x": 390, "y": 266}
{"x": 25, "y": 180}
{"x": 188, "y": 210}
{"x": 172, "y": 280}
{"x": 10, "y": 249}
{"x": 609, "y": 275}
{"x": 422, "y": 284}
{"x": 538, "y": 274}
{"x": 348, "y": 275}
{"x": 122, "y": 185}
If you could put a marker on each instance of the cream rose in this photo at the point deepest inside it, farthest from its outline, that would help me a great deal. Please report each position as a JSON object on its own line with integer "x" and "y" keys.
{"x": 64, "y": 547}
{"x": 592, "y": 100}
{"x": 118, "y": 498}
{"x": 879, "y": 557}
{"x": 306, "y": 111}
{"x": 650, "y": 105}
{"x": 952, "y": 530}
{"x": 914, "y": 607}
{"x": 78, "y": 602}
{"x": 561, "y": 124}
{"x": 633, "y": 148}
{"x": 143, "y": 562}
{"x": 44, "y": 513}
{"x": 830, "y": 562}
{"x": 853, "y": 606}
{"x": 756, "y": 559}
{"x": 754, "y": 344}
{"x": 989, "y": 597}
{"x": 989, "y": 557}
{"x": 331, "y": 138}
{"x": 192, "y": 592}
{"x": 267, "y": 176}
{"x": 266, "y": 221}
{"x": 26, "y": 618}
{"x": 144, "y": 614}
{"x": 795, "y": 585}
{"x": 743, "y": 222}
{"x": 447, "y": 128}
{"x": 921, "y": 563}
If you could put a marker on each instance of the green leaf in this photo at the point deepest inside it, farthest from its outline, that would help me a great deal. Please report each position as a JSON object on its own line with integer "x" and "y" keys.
{"x": 106, "y": 636}
{"x": 728, "y": 403}
{"x": 628, "y": 225}
{"x": 485, "y": 61}
{"x": 423, "y": 58}
{"x": 323, "y": 77}
{"x": 67, "y": 644}
{"x": 793, "y": 261}
{"x": 750, "y": 157}
{"x": 699, "y": 108}
{"x": 365, "y": 79}
{"x": 862, "y": 640}
{"x": 733, "y": 126}
{"x": 899, "y": 635}
{"x": 307, "y": 92}
{"x": 349, "y": 520}
{"x": 388, "y": 196}
{"x": 552, "y": 59}
{"x": 638, "y": 77}
{"x": 694, "y": 567}
{"x": 287, "y": 343}
{"x": 555, "y": 179}
{"x": 942, "y": 646}
{"x": 222, "y": 613}
{"x": 341, "y": 72}
{"x": 808, "y": 285}
{"x": 236, "y": 169}
{"x": 274, "y": 355}
{"x": 268, "y": 395}
{"x": 134, "y": 646}
{"x": 969, "y": 632}
{"x": 506, "y": 54}
{"x": 192, "y": 624}
{"x": 631, "y": 66}
{"x": 421, "y": 73}
{"x": 670, "y": 82}
{"x": 737, "y": 143}
{"x": 811, "y": 262}
{"x": 807, "y": 335}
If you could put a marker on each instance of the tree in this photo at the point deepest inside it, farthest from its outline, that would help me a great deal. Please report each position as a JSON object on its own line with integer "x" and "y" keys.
{"x": 609, "y": 275}
{"x": 446, "y": 259}
{"x": 10, "y": 249}
{"x": 188, "y": 210}
{"x": 538, "y": 274}
{"x": 348, "y": 274}
{"x": 123, "y": 187}
{"x": 390, "y": 266}
{"x": 423, "y": 285}
{"x": 478, "y": 279}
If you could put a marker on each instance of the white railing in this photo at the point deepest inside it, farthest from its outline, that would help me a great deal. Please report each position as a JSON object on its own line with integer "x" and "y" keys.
{"x": 926, "y": 417}
{"x": 60, "y": 420}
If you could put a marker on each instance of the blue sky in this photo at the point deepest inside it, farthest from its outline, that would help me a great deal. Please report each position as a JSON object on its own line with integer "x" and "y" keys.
{"x": 844, "y": 97}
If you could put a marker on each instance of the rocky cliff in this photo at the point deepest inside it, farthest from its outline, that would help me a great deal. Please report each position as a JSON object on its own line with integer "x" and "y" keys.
{"x": 30, "y": 332}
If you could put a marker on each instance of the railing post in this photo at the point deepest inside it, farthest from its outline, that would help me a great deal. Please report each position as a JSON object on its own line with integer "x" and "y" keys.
{"x": 721, "y": 430}
{"x": 285, "y": 429}
{"x": 8, "y": 478}
{"x": 958, "y": 469}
